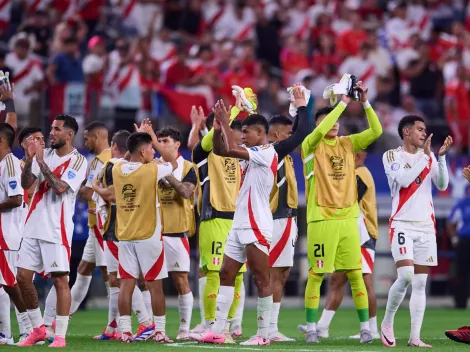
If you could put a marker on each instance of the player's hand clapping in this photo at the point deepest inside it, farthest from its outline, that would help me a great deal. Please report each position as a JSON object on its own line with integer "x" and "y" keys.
{"x": 299, "y": 96}
{"x": 363, "y": 90}
{"x": 197, "y": 116}
{"x": 39, "y": 151}
{"x": 7, "y": 90}
{"x": 466, "y": 173}
{"x": 446, "y": 146}
{"x": 30, "y": 148}
{"x": 221, "y": 113}
{"x": 427, "y": 145}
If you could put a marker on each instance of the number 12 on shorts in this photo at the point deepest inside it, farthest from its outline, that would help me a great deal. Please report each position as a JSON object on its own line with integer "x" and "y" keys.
{"x": 216, "y": 247}
{"x": 319, "y": 250}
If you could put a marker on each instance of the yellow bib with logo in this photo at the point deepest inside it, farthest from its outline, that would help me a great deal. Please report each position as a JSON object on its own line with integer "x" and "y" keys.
{"x": 368, "y": 203}
{"x": 292, "y": 197}
{"x": 103, "y": 157}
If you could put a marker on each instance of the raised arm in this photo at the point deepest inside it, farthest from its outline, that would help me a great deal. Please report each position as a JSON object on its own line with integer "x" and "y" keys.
{"x": 206, "y": 142}
{"x": 6, "y": 96}
{"x": 27, "y": 176}
{"x": 440, "y": 173}
{"x": 165, "y": 154}
{"x": 197, "y": 120}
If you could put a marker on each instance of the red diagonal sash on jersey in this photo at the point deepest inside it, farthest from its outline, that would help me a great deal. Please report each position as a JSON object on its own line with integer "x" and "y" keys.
{"x": 63, "y": 232}
{"x": 125, "y": 81}
{"x": 254, "y": 225}
{"x": 368, "y": 74}
{"x": 43, "y": 187}
{"x": 154, "y": 271}
{"x": 215, "y": 18}
{"x": 274, "y": 166}
{"x": 302, "y": 32}
{"x": 98, "y": 236}
{"x": 3, "y": 242}
{"x": 279, "y": 247}
{"x": 243, "y": 34}
{"x": 26, "y": 71}
{"x": 129, "y": 7}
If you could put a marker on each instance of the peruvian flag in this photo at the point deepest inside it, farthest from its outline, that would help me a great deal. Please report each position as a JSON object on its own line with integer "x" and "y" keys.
{"x": 181, "y": 103}
{"x": 67, "y": 98}
{"x": 320, "y": 264}
{"x": 216, "y": 261}
{"x": 402, "y": 250}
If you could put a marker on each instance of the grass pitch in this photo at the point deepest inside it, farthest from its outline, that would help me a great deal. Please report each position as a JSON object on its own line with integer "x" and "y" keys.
{"x": 84, "y": 325}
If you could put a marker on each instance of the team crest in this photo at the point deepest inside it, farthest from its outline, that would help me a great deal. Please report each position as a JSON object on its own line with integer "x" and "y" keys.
{"x": 337, "y": 163}
{"x": 71, "y": 175}
{"x": 13, "y": 184}
{"x": 320, "y": 264}
{"x": 129, "y": 192}
{"x": 216, "y": 261}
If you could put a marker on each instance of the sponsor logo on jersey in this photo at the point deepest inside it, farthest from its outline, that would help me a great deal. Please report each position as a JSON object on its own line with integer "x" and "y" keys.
{"x": 129, "y": 193}
{"x": 230, "y": 166}
{"x": 430, "y": 260}
{"x": 337, "y": 163}
{"x": 71, "y": 175}
{"x": 54, "y": 265}
{"x": 395, "y": 166}
{"x": 13, "y": 184}
{"x": 176, "y": 265}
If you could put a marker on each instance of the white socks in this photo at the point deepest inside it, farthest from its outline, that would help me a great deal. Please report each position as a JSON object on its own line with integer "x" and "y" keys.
{"x": 325, "y": 319}
{"x": 223, "y": 304}
{"x": 397, "y": 292}
{"x": 160, "y": 323}
{"x": 51, "y": 306}
{"x": 125, "y": 324}
{"x": 139, "y": 308}
{"x": 62, "y": 323}
{"x": 202, "y": 285}
{"x": 35, "y": 317}
{"x": 373, "y": 325}
{"x": 273, "y": 328}
{"x": 185, "y": 307}
{"x": 23, "y": 322}
{"x": 237, "y": 319}
{"x": 264, "y": 308}
{"x": 148, "y": 302}
{"x": 79, "y": 291}
{"x": 113, "y": 309}
{"x": 5, "y": 327}
{"x": 417, "y": 304}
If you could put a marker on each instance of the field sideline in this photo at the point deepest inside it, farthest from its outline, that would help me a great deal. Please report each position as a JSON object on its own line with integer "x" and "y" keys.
{"x": 84, "y": 325}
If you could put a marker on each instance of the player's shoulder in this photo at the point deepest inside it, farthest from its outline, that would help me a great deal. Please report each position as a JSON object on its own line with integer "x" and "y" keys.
{"x": 77, "y": 160}
{"x": 392, "y": 155}
{"x": 10, "y": 165}
{"x": 265, "y": 148}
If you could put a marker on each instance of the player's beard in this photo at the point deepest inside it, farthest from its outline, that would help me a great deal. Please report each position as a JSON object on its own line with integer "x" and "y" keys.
{"x": 58, "y": 145}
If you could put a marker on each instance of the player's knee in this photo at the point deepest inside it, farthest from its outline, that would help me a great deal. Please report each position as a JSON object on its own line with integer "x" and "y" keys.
{"x": 227, "y": 276}
{"x": 114, "y": 281}
{"x": 405, "y": 275}
{"x": 23, "y": 277}
{"x": 181, "y": 283}
{"x": 61, "y": 282}
{"x": 85, "y": 268}
{"x": 419, "y": 282}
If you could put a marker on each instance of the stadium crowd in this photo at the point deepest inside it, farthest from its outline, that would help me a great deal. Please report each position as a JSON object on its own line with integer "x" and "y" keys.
{"x": 137, "y": 57}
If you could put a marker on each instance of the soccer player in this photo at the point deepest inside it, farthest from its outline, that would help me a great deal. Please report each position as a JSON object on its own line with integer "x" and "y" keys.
{"x": 368, "y": 233}
{"x": 332, "y": 210}
{"x": 284, "y": 201}
{"x": 139, "y": 227}
{"x": 250, "y": 236}
{"x": 176, "y": 196}
{"x": 219, "y": 182}
{"x": 411, "y": 170}
{"x": 48, "y": 229}
{"x": 460, "y": 335}
{"x": 12, "y": 217}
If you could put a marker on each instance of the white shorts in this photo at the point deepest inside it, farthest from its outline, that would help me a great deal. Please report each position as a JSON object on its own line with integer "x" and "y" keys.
{"x": 111, "y": 255}
{"x": 8, "y": 267}
{"x": 146, "y": 257}
{"x": 176, "y": 253}
{"x": 94, "y": 248}
{"x": 42, "y": 256}
{"x": 368, "y": 256}
{"x": 418, "y": 246}
{"x": 237, "y": 240}
{"x": 281, "y": 254}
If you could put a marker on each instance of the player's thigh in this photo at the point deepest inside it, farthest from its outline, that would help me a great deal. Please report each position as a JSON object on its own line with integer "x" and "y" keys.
{"x": 212, "y": 237}
{"x": 55, "y": 256}
{"x": 234, "y": 248}
{"x": 322, "y": 241}
{"x": 425, "y": 249}
{"x": 281, "y": 254}
{"x": 402, "y": 243}
{"x": 8, "y": 267}
{"x": 151, "y": 258}
{"x": 111, "y": 254}
{"x": 89, "y": 250}
{"x": 98, "y": 247}
{"x": 368, "y": 256}
{"x": 348, "y": 254}
{"x": 128, "y": 262}
{"x": 29, "y": 255}
{"x": 176, "y": 253}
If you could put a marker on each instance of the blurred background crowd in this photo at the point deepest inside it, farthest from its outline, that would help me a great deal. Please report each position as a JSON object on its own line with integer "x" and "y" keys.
{"x": 123, "y": 60}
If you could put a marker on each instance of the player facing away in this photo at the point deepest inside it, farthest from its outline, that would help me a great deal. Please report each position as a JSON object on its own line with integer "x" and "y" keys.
{"x": 411, "y": 170}
{"x": 176, "y": 196}
{"x": 250, "y": 236}
{"x": 48, "y": 229}
{"x": 283, "y": 201}
{"x": 219, "y": 184}
{"x": 368, "y": 234}
{"x": 332, "y": 209}
{"x": 139, "y": 228}
{"x": 105, "y": 204}
{"x": 12, "y": 218}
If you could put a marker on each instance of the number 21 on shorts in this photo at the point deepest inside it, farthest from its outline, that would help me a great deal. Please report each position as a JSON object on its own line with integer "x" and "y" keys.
{"x": 319, "y": 250}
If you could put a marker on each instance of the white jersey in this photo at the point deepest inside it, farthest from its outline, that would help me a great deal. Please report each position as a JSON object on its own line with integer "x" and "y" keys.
{"x": 252, "y": 210}
{"x": 163, "y": 170}
{"x": 409, "y": 177}
{"x": 11, "y": 220}
{"x": 50, "y": 215}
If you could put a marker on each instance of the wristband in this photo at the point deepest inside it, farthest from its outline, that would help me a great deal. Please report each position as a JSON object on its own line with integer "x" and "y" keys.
{"x": 9, "y": 105}
{"x": 204, "y": 131}
{"x": 366, "y": 104}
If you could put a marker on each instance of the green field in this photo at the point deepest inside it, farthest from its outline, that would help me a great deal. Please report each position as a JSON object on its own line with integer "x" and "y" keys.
{"x": 84, "y": 325}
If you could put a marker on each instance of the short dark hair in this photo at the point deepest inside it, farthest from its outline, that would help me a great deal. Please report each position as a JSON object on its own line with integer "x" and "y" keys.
{"x": 323, "y": 111}
{"x": 120, "y": 139}
{"x": 96, "y": 125}
{"x": 70, "y": 40}
{"x": 280, "y": 120}
{"x": 171, "y": 132}
{"x": 69, "y": 122}
{"x": 256, "y": 119}
{"x": 26, "y": 132}
{"x": 236, "y": 125}
{"x": 407, "y": 121}
{"x": 8, "y": 132}
{"x": 136, "y": 140}
{"x": 210, "y": 120}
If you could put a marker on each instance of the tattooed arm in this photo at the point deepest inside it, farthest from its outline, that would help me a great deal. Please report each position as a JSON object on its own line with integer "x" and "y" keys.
{"x": 58, "y": 186}
{"x": 27, "y": 176}
{"x": 184, "y": 189}
{"x": 10, "y": 203}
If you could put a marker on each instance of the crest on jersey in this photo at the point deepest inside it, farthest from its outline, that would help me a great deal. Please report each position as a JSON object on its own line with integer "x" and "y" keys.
{"x": 230, "y": 166}
{"x": 13, "y": 184}
{"x": 395, "y": 166}
{"x": 71, "y": 175}
{"x": 337, "y": 163}
{"x": 90, "y": 178}
{"x": 320, "y": 264}
{"x": 129, "y": 193}
{"x": 418, "y": 180}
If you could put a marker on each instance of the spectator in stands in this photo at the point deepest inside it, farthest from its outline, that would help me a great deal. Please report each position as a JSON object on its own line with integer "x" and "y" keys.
{"x": 28, "y": 77}
{"x": 458, "y": 228}
{"x": 350, "y": 41}
{"x": 268, "y": 41}
{"x": 39, "y": 25}
{"x": 191, "y": 21}
{"x": 66, "y": 66}
{"x": 73, "y": 27}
